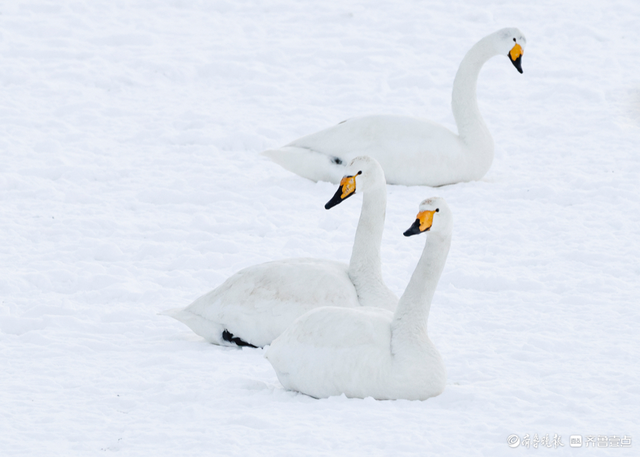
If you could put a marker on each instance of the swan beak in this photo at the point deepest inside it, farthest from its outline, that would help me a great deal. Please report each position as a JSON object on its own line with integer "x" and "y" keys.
{"x": 423, "y": 223}
{"x": 516, "y": 57}
{"x": 347, "y": 189}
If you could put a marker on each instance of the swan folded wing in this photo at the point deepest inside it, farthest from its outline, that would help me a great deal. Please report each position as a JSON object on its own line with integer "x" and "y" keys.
{"x": 376, "y": 136}
{"x": 258, "y": 303}
{"x": 272, "y": 286}
{"x": 278, "y": 288}
{"x": 394, "y": 141}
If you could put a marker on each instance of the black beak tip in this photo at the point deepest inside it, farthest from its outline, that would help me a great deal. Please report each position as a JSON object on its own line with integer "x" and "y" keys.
{"x": 414, "y": 229}
{"x": 518, "y": 64}
{"x": 331, "y": 203}
{"x": 336, "y": 199}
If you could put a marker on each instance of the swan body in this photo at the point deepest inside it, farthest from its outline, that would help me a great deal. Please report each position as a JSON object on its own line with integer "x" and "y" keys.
{"x": 368, "y": 352}
{"x": 255, "y": 305}
{"x": 411, "y": 151}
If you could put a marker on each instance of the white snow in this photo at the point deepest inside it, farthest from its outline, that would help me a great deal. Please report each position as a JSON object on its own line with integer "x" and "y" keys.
{"x": 131, "y": 182}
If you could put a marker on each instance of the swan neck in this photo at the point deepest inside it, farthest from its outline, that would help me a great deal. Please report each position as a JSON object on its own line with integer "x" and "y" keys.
{"x": 365, "y": 265}
{"x": 464, "y": 102}
{"x": 410, "y": 319}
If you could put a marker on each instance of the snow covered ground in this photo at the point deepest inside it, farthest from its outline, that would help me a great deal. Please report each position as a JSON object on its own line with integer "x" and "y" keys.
{"x": 131, "y": 182}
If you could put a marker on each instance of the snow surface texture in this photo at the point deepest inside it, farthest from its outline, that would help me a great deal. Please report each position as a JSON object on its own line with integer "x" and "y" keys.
{"x": 131, "y": 182}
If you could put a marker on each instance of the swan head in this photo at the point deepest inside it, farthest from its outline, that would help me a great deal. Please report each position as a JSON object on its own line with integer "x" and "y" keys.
{"x": 511, "y": 42}
{"x": 434, "y": 215}
{"x": 363, "y": 173}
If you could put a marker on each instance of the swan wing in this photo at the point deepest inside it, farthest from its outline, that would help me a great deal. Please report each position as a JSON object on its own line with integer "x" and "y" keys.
{"x": 407, "y": 148}
{"x": 258, "y": 303}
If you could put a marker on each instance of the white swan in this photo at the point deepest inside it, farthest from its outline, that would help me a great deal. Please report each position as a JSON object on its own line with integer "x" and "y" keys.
{"x": 411, "y": 151}
{"x": 256, "y": 304}
{"x": 368, "y": 352}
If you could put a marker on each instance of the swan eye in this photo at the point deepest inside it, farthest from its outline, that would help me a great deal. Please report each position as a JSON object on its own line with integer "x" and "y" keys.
{"x": 437, "y": 210}
{"x": 514, "y": 40}
{"x": 359, "y": 173}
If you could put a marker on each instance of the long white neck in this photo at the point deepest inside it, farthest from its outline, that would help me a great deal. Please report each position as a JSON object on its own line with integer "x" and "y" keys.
{"x": 410, "y": 320}
{"x": 471, "y": 127}
{"x": 365, "y": 266}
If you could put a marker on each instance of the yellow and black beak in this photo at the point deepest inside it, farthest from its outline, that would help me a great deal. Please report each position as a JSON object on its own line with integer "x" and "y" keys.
{"x": 347, "y": 189}
{"x": 423, "y": 223}
{"x": 516, "y": 57}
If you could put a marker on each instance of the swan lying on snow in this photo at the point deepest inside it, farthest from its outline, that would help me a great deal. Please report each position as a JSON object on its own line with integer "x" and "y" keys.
{"x": 370, "y": 352}
{"x": 411, "y": 151}
{"x": 255, "y": 305}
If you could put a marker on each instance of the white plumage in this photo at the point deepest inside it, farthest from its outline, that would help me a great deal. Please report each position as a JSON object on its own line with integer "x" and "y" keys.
{"x": 256, "y": 304}
{"x": 411, "y": 151}
{"x": 369, "y": 352}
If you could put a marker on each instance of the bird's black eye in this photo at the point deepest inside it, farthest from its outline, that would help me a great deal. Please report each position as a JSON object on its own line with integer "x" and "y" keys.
{"x": 359, "y": 173}
{"x": 437, "y": 210}
{"x": 514, "y": 39}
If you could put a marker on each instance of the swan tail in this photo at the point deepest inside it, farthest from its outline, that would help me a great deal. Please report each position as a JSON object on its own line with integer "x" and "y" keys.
{"x": 173, "y": 312}
{"x": 308, "y": 163}
{"x": 210, "y": 331}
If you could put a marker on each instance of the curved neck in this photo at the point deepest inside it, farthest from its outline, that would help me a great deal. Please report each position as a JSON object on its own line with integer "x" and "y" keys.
{"x": 464, "y": 103}
{"x": 410, "y": 319}
{"x": 365, "y": 266}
